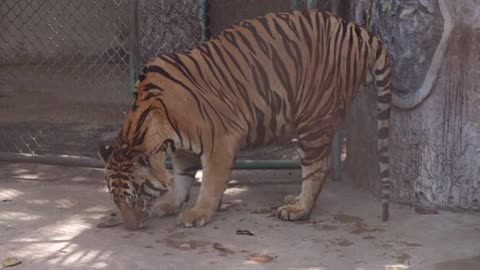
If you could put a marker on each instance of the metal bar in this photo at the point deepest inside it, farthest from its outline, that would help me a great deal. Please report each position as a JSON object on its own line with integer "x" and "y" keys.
{"x": 133, "y": 44}
{"x": 311, "y": 4}
{"x": 202, "y": 14}
{"x": 70, "y": 161}
{"x": 296, "y": 4}
{"x": 266, "y": 164}
{"x": 337, "y": 155}
{"x": 73, "y": 161}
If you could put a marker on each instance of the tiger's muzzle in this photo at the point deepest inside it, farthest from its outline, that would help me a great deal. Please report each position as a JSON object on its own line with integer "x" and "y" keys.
{"x": 133, "y": 218}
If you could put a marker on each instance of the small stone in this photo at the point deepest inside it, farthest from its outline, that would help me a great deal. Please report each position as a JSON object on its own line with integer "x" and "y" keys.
{"x": 185, "y": 246}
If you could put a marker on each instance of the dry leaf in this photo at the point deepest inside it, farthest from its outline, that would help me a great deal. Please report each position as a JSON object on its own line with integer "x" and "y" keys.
{"x": 260, "y": 258}
{"x": 244, "y": 232}
{"x": 11, "y": 261}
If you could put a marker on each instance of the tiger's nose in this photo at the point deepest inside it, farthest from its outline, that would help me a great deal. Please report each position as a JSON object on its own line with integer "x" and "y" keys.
{"x": 132, "y": 219}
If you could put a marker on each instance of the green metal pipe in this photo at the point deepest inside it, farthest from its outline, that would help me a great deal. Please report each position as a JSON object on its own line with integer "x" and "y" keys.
{"x": 311, "y": 4}
{"x": 337, "y": 155}
{"x": 202, "y": 15}
{"x": 246, "y": 164}
{"x": 267, "y": 164}
{"x": 133, "y": 45}
{"x": 72, "y": 161}
{"x": 296, "y": 4}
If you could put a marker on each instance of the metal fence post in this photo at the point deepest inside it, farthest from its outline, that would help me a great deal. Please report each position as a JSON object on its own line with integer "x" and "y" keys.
{"x": 133, "y": 44}
{"x": 202, "y": 14}
{"x": 337, "y": 155}
{"x": 296, "y": 4}
{"x": 311, "y": 4}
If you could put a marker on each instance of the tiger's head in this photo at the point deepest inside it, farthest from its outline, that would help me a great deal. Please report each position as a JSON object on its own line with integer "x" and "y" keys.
{"x": 132, "y": 187}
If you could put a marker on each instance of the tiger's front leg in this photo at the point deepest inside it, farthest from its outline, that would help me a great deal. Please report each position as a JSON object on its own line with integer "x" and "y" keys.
{"x": 185, "y": 166}
{"x": 217, "y": 170}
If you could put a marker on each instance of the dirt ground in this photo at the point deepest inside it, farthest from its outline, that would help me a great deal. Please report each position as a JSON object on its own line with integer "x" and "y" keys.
{"x": 49, "y": 217}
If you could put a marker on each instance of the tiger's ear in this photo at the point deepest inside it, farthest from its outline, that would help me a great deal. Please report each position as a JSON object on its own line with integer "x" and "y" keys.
{"x": 105, "y": 151}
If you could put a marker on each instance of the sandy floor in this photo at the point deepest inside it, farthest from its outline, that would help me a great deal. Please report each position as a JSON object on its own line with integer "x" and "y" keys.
{"x": 49, "y": 217}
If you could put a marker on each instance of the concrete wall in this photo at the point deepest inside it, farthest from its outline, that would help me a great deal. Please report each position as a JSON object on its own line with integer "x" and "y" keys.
{"x": 435, "y": 146}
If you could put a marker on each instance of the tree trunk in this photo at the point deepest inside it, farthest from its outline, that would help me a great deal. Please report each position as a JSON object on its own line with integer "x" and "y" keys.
{"x": 435, "y": 146}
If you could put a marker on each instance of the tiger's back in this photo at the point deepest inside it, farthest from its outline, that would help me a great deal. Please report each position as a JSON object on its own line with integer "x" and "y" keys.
{"x": 277, "y": 71}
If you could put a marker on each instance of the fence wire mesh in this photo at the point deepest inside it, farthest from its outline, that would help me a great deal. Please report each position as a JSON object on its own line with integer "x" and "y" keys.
{"x": 63, "y": 72}
{"x": 65, "y": 65}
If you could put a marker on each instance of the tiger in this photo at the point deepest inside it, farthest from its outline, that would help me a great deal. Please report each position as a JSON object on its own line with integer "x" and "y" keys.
{"x": 263, "y": 80}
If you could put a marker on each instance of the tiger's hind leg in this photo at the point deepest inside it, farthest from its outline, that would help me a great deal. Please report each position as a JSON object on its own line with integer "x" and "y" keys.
{"x": 315, "y": 158}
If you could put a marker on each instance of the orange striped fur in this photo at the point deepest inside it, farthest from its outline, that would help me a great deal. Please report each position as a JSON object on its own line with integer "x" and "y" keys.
{"x": 264, "y": 80}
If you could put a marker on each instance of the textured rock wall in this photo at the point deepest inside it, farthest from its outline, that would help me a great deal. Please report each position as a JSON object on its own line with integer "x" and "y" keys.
{"x": 435, "y": 147}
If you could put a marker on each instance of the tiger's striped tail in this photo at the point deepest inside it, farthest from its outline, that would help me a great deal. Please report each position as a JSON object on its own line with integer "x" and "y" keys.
{"x": 383, "y": 78}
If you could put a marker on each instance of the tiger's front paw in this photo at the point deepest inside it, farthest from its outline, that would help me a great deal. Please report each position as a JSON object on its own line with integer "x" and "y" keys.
{"x": 291, "y": 199}
{"x": 292, "y": 212}
{"x": 193, "y": 218}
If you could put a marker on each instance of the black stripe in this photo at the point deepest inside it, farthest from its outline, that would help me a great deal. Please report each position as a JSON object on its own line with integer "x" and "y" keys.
{"x": 231, "y": 38}
{"x": 382, "y": 70}
{"x": 260, "y": 130}
{"x": 171, "y": 121}
{"x": 383, "y": 83}
{"x": 150, "y": 86}
{"x": 260, "y": 78}
{"x": 245, "y": 41}
{"x": 384, "y": 114}
{"x": 383, "y": 159}
{"x": 313, "y": 173}
{"x": 200, "y": 139}
{"x": 160, "y": 70}
{"x": 387, "y": 98}
{"x": 264, "y": 22}
{"x": 143, "y": 116}
{"x": 119, "y": 176}
{"x": 383, "y": 132}
{"x": 235, "y": 63}
{"x": 152, "y": 187}
{"x": 282, "y": 73}
{"x": 135, "y": 185}
{"x": 261, "y": 43}
{"x": 306, "y": 35}
{"x": 385, "y": 174}
{"x": 379, "y": 52}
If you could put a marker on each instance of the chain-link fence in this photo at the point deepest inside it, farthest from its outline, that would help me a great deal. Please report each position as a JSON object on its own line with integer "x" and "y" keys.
{"x": 66, "y": 67}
